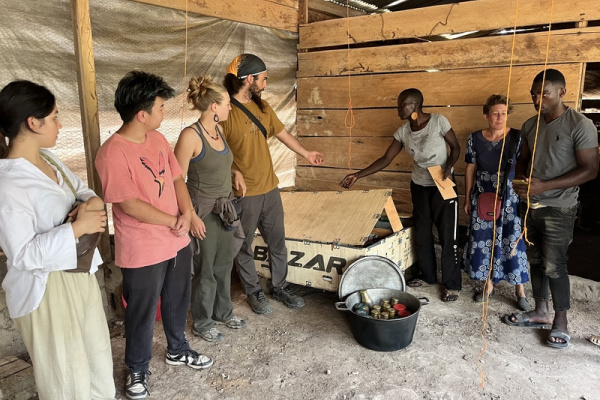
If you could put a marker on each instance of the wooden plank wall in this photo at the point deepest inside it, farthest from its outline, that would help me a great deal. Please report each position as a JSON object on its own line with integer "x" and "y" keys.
{"x": 278, "y": 14}
{"x": 467, "y": 72}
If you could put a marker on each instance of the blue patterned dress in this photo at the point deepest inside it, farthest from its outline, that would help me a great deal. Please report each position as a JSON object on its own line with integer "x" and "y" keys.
{"x": 476, "y": 255}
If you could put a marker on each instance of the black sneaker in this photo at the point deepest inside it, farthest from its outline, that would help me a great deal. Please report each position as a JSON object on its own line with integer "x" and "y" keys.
{"x": 287, "y": 297}
{"x": 259, "y": 303}
{"x": 191, "y": 358}
{"x": 137, "y": 385}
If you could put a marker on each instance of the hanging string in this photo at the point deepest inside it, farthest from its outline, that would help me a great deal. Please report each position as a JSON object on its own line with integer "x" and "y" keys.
{"x": 349, "y": 120}
{"x": 185, "y": 59}
{"x": 537, "y": 129}
{"x": 485, "y": 305}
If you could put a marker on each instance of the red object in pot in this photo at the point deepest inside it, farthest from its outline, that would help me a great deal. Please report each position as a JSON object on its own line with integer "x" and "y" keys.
{"x": 399, "y": 307}
{"x": 403, "y": 313}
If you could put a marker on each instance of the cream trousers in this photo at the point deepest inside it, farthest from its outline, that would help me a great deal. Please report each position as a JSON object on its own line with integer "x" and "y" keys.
{"x": 68, "y": 341}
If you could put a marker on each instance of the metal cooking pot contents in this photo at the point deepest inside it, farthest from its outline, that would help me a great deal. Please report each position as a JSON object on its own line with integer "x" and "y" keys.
{"x": 383, "y": 334}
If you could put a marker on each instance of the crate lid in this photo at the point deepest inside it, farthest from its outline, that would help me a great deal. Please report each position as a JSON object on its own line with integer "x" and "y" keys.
{"x": 344, "y": 217}
{"x": 371, "y": 272}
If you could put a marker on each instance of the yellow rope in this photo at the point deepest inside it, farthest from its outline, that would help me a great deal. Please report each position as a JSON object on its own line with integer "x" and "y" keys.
{"x": 537, "y": 128}
{"x": 485, "y": 305}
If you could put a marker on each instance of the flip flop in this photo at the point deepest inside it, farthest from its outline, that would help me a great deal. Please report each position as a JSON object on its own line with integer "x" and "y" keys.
{"x": 595, "y": 340}
{"x": 523, "y": 321}
{"x": 524, "y": 304}
{"x": 558, "y": 334}
{"x": 451, "y": 295}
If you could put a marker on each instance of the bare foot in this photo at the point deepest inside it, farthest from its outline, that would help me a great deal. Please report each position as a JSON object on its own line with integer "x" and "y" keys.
{"x": 540, "y": 314}
{"x": 534, "y": 316}
{"x": 559, "y": 323}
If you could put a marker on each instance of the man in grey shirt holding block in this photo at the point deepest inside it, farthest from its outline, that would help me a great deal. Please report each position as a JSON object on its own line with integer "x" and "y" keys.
{"x": 562, "y": 156}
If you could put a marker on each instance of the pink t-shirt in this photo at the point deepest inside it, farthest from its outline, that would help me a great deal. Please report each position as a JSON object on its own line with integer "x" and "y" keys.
{"x": 141, "y": 171}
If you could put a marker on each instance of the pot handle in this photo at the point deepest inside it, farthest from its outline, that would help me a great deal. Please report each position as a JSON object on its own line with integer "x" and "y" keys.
{"x": 340, "y": 306}
{"x": 424, "y": 300}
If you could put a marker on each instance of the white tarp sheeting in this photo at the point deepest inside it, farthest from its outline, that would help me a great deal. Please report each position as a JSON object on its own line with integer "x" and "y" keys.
{"x": 36, "y": 43}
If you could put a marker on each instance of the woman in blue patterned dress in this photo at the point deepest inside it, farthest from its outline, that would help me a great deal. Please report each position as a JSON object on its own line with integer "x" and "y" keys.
{"x": 481, "y": 175}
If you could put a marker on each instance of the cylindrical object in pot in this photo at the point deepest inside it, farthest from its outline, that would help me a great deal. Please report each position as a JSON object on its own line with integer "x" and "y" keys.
{"x": 384, "y": 335}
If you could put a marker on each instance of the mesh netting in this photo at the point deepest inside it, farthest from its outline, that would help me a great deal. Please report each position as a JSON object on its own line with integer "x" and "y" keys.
{"x": 38, "y": 46}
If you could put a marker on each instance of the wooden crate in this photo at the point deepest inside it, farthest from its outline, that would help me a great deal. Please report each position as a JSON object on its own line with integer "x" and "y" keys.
{"x": 328, "y": 231}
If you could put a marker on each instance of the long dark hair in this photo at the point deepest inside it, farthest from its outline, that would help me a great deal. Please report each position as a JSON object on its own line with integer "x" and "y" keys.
{"x": 233, "y": 85}
{"x": 20, "y": 100}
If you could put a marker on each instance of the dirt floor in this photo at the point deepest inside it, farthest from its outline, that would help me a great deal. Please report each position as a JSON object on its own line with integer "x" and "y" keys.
{"x": 311, "y": 354}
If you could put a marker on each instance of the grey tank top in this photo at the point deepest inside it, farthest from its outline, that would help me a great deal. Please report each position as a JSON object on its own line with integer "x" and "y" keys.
{"x": 209, "y": 173}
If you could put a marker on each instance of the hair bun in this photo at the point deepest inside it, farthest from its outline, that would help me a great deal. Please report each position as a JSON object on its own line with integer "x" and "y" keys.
{"x": 198, "y": 86}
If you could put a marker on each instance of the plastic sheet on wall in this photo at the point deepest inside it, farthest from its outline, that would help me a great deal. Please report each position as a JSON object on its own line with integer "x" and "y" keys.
{"x": 127, "y": 35}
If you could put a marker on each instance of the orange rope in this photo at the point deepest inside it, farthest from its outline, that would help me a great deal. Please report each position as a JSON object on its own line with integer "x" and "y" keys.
{"x": 537, "y": 128}
{"x": 185, "y": 59}
{"x": 349, "y": 120}
{"x": 485, "y": 305}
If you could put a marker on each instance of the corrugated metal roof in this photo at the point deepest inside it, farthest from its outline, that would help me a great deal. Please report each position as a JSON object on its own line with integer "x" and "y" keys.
{"x": 378, "y": 6}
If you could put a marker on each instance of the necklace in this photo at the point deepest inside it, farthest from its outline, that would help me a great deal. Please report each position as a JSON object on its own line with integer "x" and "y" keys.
{"x": 209, "y": 135}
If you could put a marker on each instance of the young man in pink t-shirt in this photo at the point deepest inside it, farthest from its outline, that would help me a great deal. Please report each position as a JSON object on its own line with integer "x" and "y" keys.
{"x": 151, "y": 214}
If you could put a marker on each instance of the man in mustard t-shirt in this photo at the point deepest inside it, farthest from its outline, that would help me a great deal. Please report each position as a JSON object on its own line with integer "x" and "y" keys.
{"x": 261, "y": 203}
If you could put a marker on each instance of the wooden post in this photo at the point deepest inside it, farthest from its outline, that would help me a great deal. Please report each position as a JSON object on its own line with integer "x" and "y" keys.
{"x": 88, "y": 99}
{"x": 302, "y": 12}
{"x": 581, "y": 86}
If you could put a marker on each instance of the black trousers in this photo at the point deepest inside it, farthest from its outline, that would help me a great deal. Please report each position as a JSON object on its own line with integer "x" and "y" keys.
{"x": 171, "y": 280}
{"x": 429, "y": 207}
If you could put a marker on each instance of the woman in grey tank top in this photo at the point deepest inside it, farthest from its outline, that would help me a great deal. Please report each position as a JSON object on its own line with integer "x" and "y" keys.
{"x": 206, "y": 160}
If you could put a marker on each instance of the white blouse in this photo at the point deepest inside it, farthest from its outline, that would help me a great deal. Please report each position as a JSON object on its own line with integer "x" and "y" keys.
{"x": 32, "y": 234}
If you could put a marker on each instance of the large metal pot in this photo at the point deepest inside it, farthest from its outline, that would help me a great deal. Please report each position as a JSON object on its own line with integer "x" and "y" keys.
{"x": 379, "y": 334}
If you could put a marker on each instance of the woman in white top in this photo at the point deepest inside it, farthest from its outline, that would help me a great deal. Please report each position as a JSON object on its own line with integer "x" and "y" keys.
{"x": 60, "y": 314}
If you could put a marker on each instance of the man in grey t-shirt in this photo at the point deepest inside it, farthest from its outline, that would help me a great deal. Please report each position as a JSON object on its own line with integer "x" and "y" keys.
{"x": 564, "y": 156}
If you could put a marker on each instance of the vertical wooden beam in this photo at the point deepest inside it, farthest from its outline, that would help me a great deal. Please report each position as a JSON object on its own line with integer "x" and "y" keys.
{"x": 302, "y": 12}
{"x": 88, "y": 99}
{"x": 581, "y": 87}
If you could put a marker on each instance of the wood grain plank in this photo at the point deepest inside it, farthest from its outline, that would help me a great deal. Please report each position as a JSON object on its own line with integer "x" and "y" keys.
{"x": 400, "y": 191}
{"x": 361, "y": 152}
{"x": 382, "y": 179}
{"x": 287, "y": 3}
{"x": 268, "y": 13}
{"x": 323, "y": 216}
{"x": 326, "y": 7}
{"x": 481, "y": 15}
{"x": 383, "y": 122}
{"x": 566, "y": 46}
{"x": 458, "y": 87}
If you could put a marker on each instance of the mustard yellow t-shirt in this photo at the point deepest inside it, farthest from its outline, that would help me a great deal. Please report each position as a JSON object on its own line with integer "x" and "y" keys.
{"x": 250, "y": 150}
